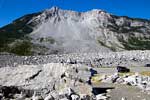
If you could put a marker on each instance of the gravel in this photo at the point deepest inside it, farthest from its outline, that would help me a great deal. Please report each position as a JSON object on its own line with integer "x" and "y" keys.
{"x": 126, "y": 58}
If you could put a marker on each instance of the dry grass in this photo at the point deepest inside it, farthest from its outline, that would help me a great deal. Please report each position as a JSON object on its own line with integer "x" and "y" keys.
{"x": 96, "y": 78}
{"x": 145, "y": 73}
{"x": 128, "y": 74}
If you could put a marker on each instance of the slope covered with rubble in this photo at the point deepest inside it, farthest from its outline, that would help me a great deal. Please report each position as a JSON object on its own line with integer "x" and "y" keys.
{"x": 55, "y": 31}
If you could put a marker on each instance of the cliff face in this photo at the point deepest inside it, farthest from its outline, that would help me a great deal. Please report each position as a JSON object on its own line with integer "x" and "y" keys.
{"x": 61, "y": 31}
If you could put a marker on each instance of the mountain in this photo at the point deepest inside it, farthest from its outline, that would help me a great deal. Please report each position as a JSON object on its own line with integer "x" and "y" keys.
{"x": 63, "y": 31}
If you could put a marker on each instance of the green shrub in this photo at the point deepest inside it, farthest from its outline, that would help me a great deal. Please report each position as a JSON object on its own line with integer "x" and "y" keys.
{"x": 134, "y": 43}
{"x": 24, "y": 48}
{"x": 113, "y": 48}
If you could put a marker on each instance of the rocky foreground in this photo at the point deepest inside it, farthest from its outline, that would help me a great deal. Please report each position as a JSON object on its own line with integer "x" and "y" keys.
{"x": 75, "y": 77}
{"x": 56, "y": 81}
{"x": 48, "y": 82}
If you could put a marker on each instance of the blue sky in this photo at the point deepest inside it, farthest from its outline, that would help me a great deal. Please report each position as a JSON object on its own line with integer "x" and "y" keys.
{"x": 13, "y": 9}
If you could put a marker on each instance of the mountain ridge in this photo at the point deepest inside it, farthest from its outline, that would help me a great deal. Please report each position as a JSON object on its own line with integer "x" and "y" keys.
{"x": 64, "y": 31}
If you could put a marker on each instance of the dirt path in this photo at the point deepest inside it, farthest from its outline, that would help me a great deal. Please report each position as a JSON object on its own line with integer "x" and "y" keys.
{"x": 119, "y": 91}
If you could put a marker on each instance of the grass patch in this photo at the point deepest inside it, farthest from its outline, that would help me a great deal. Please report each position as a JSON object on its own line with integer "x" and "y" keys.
{"x": 47, "y": 39}
{"x": 145, "y": 73}
{"x": 113, "y": 48}
{"x": 111, "y": 67}
{"x": 96, "y": 78}
{"x": 128, "y": 74}
{"x": 135, "y": 43}
{"x": 22, "y": 48}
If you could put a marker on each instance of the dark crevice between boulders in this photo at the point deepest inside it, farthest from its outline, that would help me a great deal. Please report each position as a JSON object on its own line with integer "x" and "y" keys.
{"x": 33, "y": 76}
{"x": 98, "y": 90}
{"x": 10, "y": 91}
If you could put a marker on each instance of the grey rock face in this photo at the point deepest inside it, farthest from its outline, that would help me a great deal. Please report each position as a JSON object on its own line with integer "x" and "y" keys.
{"x": 91, "y": 31}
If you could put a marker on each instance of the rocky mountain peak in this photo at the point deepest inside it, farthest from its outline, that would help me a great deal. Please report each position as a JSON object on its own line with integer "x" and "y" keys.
{"x": 97, "y": 11}
{"x": 69, "y": 31}
{"x": 57, "y": 14}
{"x": 53, "y": 10}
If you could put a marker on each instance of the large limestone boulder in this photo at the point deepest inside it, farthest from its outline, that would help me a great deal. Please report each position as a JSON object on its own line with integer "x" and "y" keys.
{"x": 54, "y": 79}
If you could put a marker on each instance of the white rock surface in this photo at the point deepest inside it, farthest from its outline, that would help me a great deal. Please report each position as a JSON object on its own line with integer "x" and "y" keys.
{"x": 101, "y": 97}
{"x": 47, "y": 78}
{"x": 137, "y": 80}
